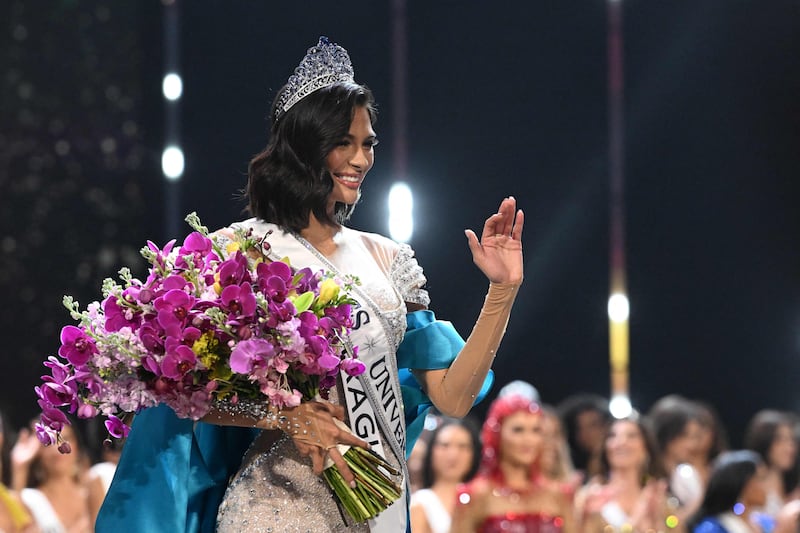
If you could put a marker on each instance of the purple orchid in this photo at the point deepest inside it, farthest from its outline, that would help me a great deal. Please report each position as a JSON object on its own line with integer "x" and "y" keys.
{"x": 173, "y": 310}
{"x": 198, "y": 247}
{"x": 353, "y": 367}
{"x": 116, "y": 427}
{"x": 249, "y": 354}
{"x": 45, "y": 435}
{"x": 233, "y": 271}
{"x": 239, "y": 300}
{"x": 76, "y": 346}
{"x": 118, "y": 317}
{"x": 178, "y": 363}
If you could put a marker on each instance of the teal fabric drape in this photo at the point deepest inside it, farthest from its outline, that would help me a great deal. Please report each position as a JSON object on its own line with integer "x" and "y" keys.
{"x": 172, "y": 474}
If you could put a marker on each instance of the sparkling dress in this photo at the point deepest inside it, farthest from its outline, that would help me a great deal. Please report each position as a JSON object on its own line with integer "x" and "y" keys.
{"x": 275, "y": 489}
{"x": 522, "y": 523}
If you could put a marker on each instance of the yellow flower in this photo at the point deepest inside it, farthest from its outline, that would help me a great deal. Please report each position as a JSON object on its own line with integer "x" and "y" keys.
{"x": 232, "y": 247}
{"x": 217, "y": 286}
{"x": 328, "y": 290}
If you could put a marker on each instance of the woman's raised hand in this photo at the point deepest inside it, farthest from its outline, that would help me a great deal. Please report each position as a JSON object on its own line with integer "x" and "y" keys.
{"x": 499, "y": 252}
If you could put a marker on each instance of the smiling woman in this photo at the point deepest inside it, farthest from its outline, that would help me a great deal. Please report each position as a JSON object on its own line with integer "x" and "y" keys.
{"x": 508, "y": 494}
{"x": 219, "y": 474}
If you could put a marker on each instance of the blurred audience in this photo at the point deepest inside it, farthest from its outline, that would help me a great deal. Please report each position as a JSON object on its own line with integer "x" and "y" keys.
{"x": 630, "y": 492}
{"x": 509, "y": 494}
{"x": 555, "y": 464}
{"x": 678, "y": 432}
{"x": 54, "y": 485}
{"x": 771, "y": 434}
{"x": 452, "y": 458}
{"x": 584, "y": 418}
{"x": 14, "y": 516}
{"x": 713, "y": 440}
{"x": 736, "y": 487}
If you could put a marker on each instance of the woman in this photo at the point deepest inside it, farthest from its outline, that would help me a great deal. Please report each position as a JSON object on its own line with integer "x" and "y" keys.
{"x": 58, "y": 494}
{"x": 771, "y": 434}
{"x": 556, "y": 465}
{"x": 452, "y": 459}
{"x": 630, "y": 493}
{"x": 713, "y": 440}
{"x": 736, "y": 487}
{"x": 509, "y": 493}
{"x": 14, "y": 516}
{"x": 301, "y": 190}
{"x": 677, "y": 426}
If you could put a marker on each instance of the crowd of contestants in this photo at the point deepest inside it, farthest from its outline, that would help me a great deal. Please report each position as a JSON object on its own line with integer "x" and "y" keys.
{"x": 529, "y": 467}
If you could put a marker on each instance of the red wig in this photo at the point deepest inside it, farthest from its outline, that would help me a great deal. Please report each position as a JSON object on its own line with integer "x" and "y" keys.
{"x": 500, "y": 409}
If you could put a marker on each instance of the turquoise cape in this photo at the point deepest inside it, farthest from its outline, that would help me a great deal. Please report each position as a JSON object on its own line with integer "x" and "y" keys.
{"x": 173, "y": 472}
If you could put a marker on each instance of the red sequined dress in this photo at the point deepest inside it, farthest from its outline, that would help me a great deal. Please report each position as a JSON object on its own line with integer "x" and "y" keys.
{"x": 522, "y": 523}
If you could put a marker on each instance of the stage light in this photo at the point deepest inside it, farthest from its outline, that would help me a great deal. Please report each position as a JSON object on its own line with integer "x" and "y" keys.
{"x": 620, "y": 406}
{"x": 618, "y": 307}
{"x": 172, "y": 86}
{"x": 401, "y": 218}
{"x": 172, "y": 162}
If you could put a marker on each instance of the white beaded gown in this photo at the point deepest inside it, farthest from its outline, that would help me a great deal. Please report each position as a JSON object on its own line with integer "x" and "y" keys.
{"x": 275, "y": 489}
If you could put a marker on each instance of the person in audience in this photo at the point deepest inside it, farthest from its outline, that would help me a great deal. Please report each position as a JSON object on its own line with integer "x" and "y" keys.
{"x": 452, "y": 458}
{"x": 713, "y": 440}
{"x": 771, "y": 434}
{"x": 14, "y": 517}
{"x": 736, "y": 488}
{"x": 585, "y": 418}
{"x": 678, "y": 432}
{"x": 509, "y": 493}
{"x": 57, "y": 491}
{"x": 556, "y": 465}
{"x": 630, "y": 491}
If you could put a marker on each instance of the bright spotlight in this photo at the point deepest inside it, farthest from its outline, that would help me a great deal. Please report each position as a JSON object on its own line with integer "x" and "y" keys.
{"x": 172, "y": 162}
{"x": 618, "y": 307}
{"x": 620, "y": 406}
{"x": 172, "y": 86}
{"x": 401, "y": 218}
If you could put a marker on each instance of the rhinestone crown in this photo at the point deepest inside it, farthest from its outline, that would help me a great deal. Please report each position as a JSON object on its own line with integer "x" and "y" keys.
{"x": 325, "y": 64}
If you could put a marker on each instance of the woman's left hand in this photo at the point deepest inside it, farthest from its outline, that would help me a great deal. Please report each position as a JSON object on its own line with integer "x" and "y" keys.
{"x": 499, "y": 252}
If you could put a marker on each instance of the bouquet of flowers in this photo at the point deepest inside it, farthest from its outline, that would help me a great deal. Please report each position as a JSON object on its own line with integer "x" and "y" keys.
{"x": 215, "y": 321}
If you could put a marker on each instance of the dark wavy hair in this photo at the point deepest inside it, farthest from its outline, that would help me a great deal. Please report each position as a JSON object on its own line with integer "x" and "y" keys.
{"x": 761, "y": 432}
{"x": 669, "y": 417}
{"x": 445, "y": 422}
{"x": 288, "y": 180}
{"x": 730, "y": 473}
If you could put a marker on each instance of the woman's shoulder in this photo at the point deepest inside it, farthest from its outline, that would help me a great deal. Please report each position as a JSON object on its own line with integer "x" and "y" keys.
{"x": 376, "y": 241}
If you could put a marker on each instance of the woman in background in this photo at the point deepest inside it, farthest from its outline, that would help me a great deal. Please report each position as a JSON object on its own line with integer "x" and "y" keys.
{"x": 771, "y": 434}
{"x": 509, "y": 494}
{"x": 630, "y": 492}
{"x": 736, "y": 488}
{"x": 57, "y": 492}
{"x": 452, "y": 458}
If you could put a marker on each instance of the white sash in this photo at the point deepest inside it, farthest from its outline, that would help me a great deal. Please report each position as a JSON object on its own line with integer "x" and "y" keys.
{"x": 374, "y": 401}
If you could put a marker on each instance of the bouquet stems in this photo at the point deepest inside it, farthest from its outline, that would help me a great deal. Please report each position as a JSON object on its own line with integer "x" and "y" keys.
{"x": 374, "y": 491}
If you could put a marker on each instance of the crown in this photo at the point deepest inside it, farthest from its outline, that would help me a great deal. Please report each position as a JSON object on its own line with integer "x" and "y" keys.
{"x": 325, "y": 64}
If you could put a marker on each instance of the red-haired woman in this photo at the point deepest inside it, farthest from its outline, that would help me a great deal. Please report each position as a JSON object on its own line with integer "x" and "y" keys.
{"x": 509, "y": 493}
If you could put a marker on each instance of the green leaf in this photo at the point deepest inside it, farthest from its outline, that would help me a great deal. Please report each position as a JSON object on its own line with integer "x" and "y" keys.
{"x": 304, "y": 301}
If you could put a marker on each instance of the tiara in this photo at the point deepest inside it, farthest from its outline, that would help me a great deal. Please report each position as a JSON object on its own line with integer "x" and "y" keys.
{"x": 325, "y": 64}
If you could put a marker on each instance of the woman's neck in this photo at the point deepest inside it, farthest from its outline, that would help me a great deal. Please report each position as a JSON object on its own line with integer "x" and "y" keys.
{"x": 625, "y": 478}
{"x": 516, "y": 476}
{"x": 320, "y": 235}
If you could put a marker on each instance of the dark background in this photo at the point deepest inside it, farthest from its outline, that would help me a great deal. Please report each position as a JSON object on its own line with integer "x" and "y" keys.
{"x": 504, "y": 98}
